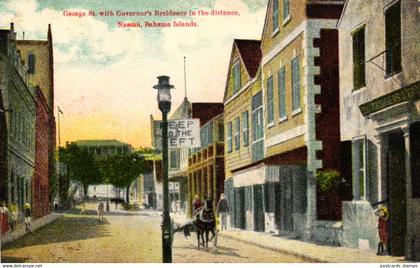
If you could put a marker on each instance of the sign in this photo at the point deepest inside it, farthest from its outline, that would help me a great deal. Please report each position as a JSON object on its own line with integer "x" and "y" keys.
{"x": 184, "y": 133}
{"x": 171, "y": 186}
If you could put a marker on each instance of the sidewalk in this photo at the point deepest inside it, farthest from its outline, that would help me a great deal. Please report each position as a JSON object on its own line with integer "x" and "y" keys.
{"x": 299, "y": 248}
{"x": 20, "y": 230}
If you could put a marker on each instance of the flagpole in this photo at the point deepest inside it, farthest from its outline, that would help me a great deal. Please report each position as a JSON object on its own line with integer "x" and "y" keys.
{"x": 185, "y": 78}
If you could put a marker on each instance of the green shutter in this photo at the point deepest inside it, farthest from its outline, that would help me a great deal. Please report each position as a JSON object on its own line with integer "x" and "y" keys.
{"x": 295, "y": 84}
{"x": 275, "y": 14}
{"x": 270, "y": 107}
{"x": 282, "y": 92}
{"x": 286, "y": 9}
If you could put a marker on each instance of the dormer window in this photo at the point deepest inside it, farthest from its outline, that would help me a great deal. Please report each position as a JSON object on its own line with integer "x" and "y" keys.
{"x": 31, "y": 63}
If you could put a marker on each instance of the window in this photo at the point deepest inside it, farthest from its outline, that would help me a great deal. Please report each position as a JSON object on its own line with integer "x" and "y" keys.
{"x": 295, "y": 84}
{"x": 282, "y": 93}
{"x": 257, "y": 128}
{"x": 245, "y": 128}
{"x": 236, "y": 76}
{"x": 229, "y": 137}
{"x": 286, "y": 10}
{"x": 359, "y": 58}
{"x": 365, "y": 170}
{"x": 275, "y": 15}
{"x": 270, "y": 104}
{"x": 221, "y": 131}
{"x": 31, "y": 63}
{"x": 393, "y": 39}
{"x": 237, "y": 133}
{"x": 360, "y": 168}
{"x": 257, "y": 118}
{"x": 174, "y": 159}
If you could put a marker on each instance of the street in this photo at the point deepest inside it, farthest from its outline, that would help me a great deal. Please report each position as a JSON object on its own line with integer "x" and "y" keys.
{"x": 126, "y": 237}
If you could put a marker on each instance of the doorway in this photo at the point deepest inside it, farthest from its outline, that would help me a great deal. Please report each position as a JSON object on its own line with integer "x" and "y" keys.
{"x": 240, "y": 208}
{"x": 259, "y": 222}
{"x": 397, "y": 192}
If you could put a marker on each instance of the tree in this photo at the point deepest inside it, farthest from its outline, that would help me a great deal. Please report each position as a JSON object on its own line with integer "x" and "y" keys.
{"x": 122, "y": 170}
{"x": 81, "y": 166}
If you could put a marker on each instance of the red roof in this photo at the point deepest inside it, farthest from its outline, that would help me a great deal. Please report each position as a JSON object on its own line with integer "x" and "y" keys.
{"x": 206, "y": 111}
{"x": 250, "y": 51}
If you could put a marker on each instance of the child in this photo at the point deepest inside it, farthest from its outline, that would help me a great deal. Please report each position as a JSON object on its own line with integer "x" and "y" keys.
{"x": 383, "y": 218}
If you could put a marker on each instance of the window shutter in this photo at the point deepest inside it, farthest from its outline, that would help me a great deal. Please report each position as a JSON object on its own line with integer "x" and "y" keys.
{"x": 282, "y": 92}
{"x": 275, "y": 15}
{"x": 295, "y": 84}
{"x": 393, "y": 39}
{"x": 270, "y": 108}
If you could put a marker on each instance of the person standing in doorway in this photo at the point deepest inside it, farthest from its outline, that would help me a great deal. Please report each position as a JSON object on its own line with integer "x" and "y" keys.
{"x": 222, "y": 211}
{"x": 383, "y": 222}
{"x": 28, "y": 213}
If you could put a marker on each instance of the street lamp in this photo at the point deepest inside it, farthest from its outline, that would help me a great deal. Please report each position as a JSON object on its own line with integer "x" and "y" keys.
{"x": 164, "y": 101}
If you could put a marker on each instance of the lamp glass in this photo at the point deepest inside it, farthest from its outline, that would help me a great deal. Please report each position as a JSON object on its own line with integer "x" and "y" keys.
{"x": 164, "y": 94}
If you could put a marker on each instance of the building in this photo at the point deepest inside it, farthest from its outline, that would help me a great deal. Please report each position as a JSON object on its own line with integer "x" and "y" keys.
{"x": 206, "y": 174}
{"x": 178, "y": 160}
{"x": 19, "y": 112}
{"x": 244, "y": 132}
{"x": 103, "y": 149}
{"x": 38, "y": 55}
{"x": 380, "y": 120}
{"x": 300, "y": 82}
{"x": 155, "y": 194}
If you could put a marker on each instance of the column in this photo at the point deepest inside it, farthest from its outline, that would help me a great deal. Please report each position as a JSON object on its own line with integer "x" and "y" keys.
{"x": 410, "y": 220}
{"x": 382, "y": 141}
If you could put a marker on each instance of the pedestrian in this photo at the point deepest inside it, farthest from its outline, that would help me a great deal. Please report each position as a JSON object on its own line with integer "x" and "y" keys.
{"x": 4, "y": 216}
{"x": 197, "y": 205}
{"x": 222, "y": 211}
{"x": 173, "y": 206}
{"x": 383, "y": 222}
{"x": 178, "y": 207}
{"x": 13, "y": 212}
{"x": 28, "y": 213}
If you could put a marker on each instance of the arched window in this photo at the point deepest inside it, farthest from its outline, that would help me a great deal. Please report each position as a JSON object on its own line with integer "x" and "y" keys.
{"x": 31, "y": 63}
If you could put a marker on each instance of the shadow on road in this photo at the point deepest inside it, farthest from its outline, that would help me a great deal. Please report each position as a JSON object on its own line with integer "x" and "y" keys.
{"x": 67, "y": 228}
{"x": 5, "y": 259}
{"x": 217, "y": 251}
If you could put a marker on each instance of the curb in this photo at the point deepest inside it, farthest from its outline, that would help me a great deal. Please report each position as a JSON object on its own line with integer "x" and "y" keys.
{"x": 20, "y": 232}
{"x": 284, "y": 251}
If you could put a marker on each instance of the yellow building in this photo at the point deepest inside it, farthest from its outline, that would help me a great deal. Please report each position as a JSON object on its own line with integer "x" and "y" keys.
{"x": 299, "y": 70}
{"x": 244, "y": 144}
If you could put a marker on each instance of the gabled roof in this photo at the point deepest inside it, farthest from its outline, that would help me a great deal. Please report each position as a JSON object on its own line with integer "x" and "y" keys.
{"x": 250, "y": 55}
{"x": 183, "y": 111}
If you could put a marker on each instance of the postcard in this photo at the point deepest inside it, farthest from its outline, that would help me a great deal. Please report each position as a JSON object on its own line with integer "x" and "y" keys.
{"x": 282, "y": 132}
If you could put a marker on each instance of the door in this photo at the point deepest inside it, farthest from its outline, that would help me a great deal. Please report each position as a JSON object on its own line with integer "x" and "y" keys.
{"x": 286, "y": 204}
{"x": 259, "y": 222}
{"x": 230, "y": 197}
{"x": 397, "y": 193}
{"x": 240, "y": 208}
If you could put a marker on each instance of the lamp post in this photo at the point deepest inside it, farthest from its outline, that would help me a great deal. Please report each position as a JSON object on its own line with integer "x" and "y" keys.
{"x": 164, "y": 101}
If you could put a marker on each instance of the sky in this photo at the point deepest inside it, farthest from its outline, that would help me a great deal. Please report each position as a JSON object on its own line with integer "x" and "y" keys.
{"x": 104, "y": 75}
